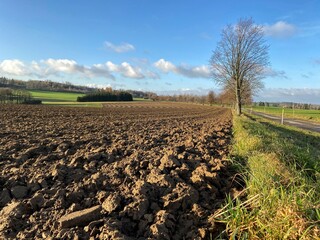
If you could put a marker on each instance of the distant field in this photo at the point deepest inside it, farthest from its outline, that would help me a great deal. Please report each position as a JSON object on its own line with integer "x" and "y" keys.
{"x": 48, "y": 96}
{"x": 142, "y": 99}
{"x": 66, "y": 99}
{"x": 313, "y": 115}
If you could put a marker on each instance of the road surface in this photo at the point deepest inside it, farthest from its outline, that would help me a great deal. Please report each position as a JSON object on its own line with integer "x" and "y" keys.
{"x": 306, "y": 125}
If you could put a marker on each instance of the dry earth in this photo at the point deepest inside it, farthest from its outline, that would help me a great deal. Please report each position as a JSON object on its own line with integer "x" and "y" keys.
{"x": 126, "y": 171}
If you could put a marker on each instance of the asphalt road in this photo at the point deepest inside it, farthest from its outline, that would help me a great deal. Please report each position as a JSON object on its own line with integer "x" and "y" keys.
{"x": 306, "y": 125}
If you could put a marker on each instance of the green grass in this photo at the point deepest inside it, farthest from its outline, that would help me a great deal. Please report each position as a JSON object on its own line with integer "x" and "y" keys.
{"x": 48, "y": 96}
{"x": 142, "y": 100}
{"x": 306, "y": 114}
{"x": 66, "y": 99}
{"x": 281, "y": 168}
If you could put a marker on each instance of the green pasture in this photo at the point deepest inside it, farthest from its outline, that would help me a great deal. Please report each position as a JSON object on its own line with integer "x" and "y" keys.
{"x": 142, "y": 99}
{"x": 66, "y": 99}
{"x": 62, "y": 99}
{"x": 48, "y": 96}
{"x": 306, "y": 114}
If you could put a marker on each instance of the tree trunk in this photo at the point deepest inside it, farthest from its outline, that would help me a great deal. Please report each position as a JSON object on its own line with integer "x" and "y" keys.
{"x": 238, "y": 102}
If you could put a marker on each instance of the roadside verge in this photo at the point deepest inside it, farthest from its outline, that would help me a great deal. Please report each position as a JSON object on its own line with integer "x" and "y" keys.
{"x": 280, "y": 166}
{"x": 303, "y": 124}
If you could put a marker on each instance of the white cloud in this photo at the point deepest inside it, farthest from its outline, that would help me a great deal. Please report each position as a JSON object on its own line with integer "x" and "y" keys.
{"x": 69, "y": 66}
{"x": 63, "y": 65}
{"x": 195, "y": 72}
{"x": 197, "y": 91}
{"x": 112, "y": 67}
{"x": 128, "y": 71}
{"x": 123, "y": 47}
{"x": 52, "y": 67}
{"x": 14, "y": 67}
{"x": 280, "y": 29}
{"x": 298, "y": 95}
{"x": 98, "y": 70}
{"x": 94, "y": 85}
{"x": 125, "y": 69}
{"x": 184, "y": 70}
{"x": 35, "y": 67}
{"x": 165, "y": 66}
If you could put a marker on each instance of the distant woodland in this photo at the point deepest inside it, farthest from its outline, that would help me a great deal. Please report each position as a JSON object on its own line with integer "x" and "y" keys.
{"x": 8, "y": 95}
{"x": 45, "y": 85}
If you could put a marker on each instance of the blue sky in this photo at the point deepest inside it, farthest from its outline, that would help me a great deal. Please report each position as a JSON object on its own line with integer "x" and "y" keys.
{"x": 161, "y": 46}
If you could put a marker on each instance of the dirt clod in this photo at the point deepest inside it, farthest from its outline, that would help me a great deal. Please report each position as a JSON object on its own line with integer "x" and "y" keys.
{"x": 19, "y": 191}
{"x": 111, "y": 203}
{"x": 80, "y": 218}
{"x": 4, "y": 197}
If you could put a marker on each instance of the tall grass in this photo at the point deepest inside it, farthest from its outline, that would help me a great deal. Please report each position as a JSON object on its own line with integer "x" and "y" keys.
{"x": 280, "y": 167}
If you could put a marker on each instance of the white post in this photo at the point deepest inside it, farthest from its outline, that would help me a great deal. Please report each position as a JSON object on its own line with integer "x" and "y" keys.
{"x": 282, "y": 115}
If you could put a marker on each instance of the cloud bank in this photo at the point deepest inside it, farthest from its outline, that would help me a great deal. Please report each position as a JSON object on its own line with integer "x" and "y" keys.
{"x": 59, "y": 67}
{"x": 298, "y": 95}
{"x": 109, "y": 70}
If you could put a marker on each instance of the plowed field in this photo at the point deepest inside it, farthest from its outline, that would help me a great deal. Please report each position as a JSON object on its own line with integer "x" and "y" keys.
{"x": 125, "y": 171}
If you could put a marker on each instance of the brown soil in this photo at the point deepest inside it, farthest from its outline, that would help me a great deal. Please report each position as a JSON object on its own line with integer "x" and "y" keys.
{"x": 126, "y": 171}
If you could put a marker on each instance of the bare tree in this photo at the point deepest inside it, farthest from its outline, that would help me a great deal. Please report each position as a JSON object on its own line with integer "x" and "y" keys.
{"x": 211, "y": 97}
{"x": 240, "y": 59}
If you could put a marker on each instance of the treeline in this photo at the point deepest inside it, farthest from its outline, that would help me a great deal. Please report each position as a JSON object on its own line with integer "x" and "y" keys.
{"x": 288, "y": 105}
{"x": 224, "y": 98}
{"x": 182, "y": 98}
{"x": 18, "y": 96}
{"x": 142, "y": 94}
{"x": 106, "y": 96}
{"x": 46, "y": 85}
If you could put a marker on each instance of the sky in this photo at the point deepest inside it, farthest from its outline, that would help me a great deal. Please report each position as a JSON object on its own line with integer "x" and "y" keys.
{"x": 160, "y": 46}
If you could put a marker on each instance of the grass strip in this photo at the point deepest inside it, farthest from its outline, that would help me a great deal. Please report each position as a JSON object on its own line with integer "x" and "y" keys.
{"x": 303, "y": 114}
{"x": 280, "y": 167}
